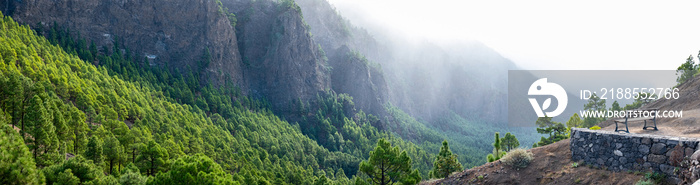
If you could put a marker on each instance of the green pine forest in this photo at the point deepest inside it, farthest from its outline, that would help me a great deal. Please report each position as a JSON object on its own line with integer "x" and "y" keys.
{"x": 73, "y": 113}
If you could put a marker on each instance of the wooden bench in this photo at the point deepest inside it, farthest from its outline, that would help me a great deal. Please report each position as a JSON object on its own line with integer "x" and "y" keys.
{"x": 629, "y": 118}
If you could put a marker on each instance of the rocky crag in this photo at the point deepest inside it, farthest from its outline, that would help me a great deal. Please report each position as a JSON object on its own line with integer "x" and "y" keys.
{"x": 268, "y": 54}
{"x": 284, "y": 51}
{"x": 172, "y": 33}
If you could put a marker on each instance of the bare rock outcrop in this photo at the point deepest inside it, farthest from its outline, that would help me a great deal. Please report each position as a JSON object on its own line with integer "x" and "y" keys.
{"x": 281, "y": 60}
{"x": 172, "y": 33}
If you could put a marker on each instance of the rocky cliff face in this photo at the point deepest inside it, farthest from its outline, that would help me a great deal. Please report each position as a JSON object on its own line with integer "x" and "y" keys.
{"x": 350, "y": 51}
{"x": 281, "y": 60}
{"x": 356, "y": 77}
{"x": 333, "y": 31}
{"x": 273, "y": 54}
{"x": 277, "y": 59}
{"x": 173, "y": 33}
{"x": 424, "y": 79}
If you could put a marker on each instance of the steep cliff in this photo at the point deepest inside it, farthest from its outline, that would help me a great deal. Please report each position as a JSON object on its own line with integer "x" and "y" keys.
{"x": 277, "y": 59}
{"x": 281, "y": 60}
{"x": 333, "y": 31}
{"x": 426, "y": 79}
{"x": 172, "y": 33}
{"x": 350, "y": 50}
{"x": 273, "y": 54}
{"x": 360, "y": 79}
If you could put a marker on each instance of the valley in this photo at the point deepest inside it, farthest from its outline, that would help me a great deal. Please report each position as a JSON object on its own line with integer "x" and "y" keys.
{"x": 256, "y": 92}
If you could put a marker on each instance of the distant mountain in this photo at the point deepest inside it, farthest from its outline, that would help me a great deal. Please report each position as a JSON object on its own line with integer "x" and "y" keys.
{"x": 425, "y": 79}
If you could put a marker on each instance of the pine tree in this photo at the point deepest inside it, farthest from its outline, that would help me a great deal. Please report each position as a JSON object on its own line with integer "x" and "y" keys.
{"x": 59, "y": 131}
{"x": 132, "y": 177}
{"x": 79, "y": 128}
{"x": 497, "y": 153}
{"x": 445, "y": 162}
{"x": 595, "y": 103}
{"x": 134, "y": 142}
{"x": 687, "y": 70}
{"x": 59, "y": 123}
{"x": 615, "y": 106}
{"x": 152, "y": 158}
{"x": 322, "y": 180}
{"x": 38, "y": 127}
{"x": 66, "y": 177}
{"x": 94, "y": 150}
{"x": 16, "y": 163}
{"x": 387, "y": 165}
{"x": 80, "y": 167}
{"x": 555, "y": 130}
{"x": 15, "y": 91}
{"x": 195, "y": 169}
{"x": 93, "y": 50}
{"x": 112, "y": 151}
{"x": 574, "y": 121}
{"x": 509, "y": 142}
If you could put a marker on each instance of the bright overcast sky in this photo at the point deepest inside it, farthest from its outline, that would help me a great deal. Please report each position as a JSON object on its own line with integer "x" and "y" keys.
{"x": 552, "y": 34}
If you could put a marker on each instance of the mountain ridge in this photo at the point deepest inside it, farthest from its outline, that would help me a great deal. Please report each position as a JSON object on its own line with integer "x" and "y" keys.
{"x": 342, "y": 98}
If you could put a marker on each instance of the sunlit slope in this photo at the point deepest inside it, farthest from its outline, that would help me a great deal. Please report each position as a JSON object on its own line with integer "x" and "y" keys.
{"x": 254, "y": 146}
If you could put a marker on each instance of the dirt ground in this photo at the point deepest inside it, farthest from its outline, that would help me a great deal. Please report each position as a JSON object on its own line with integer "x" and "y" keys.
{"x": 686, "y": 126}
{"x": 551, "y": 165}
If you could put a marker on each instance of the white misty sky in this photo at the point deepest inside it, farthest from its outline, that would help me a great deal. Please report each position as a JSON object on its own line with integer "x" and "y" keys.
{"x": 544, "y": 35}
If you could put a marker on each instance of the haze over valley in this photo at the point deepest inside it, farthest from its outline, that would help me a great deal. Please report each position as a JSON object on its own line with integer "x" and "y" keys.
{"x": 305, "y": 91}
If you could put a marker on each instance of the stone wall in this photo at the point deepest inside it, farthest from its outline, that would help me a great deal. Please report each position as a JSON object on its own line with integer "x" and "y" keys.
{"x": 623, "y": 151}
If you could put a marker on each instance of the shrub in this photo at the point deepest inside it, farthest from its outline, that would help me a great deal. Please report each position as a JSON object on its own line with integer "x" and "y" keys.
{"x": 644, "y": 182}
{"x": 595, "y": 128}
{"x": 652, "y": 178}
{"x": 517, "y": 158}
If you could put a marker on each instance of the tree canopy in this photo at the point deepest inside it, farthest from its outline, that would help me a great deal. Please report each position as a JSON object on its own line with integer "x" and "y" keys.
{"x": 16, "y": 163}
{"x": 445, "y": 162}
{"x": 509, "y": 142}
{"x": 389, "y": 165}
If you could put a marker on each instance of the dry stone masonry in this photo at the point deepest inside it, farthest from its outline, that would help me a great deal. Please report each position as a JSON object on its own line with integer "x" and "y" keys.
{"x": 624, "y": 151}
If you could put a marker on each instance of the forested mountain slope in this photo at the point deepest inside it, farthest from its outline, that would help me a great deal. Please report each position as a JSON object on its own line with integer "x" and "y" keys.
{"x": 64, "y": 105}
{"x": 451, "y": 87}
{"x": 453, "y": 90}
{"x": 249, "y": 84}
{"x": 429, "y": 79}
{"x": 266, "y": 51}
